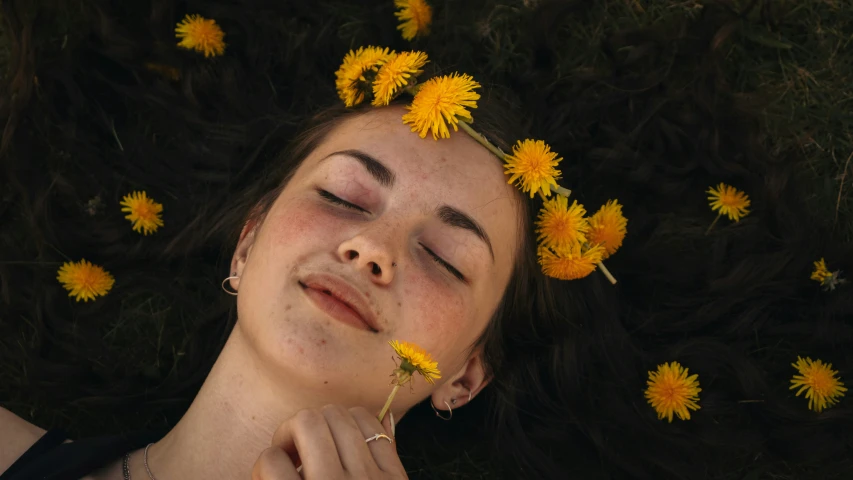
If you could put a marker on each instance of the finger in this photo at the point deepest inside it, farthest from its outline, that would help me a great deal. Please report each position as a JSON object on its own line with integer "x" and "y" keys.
{"x": 274, "y": 464}
{"x": 306, "y": 437}
{"x": 384, "y": 452}
{"x": 349, "y": 440}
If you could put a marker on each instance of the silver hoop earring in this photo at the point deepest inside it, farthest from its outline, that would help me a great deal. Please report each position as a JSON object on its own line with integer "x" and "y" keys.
{"x": 438, "y": 414}
{"x": 229, "y": 292}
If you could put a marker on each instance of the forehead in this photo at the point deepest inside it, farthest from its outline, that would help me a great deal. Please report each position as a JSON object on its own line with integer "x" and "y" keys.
{"x": 456, "y": 171}
{"x": 454, "y": 163}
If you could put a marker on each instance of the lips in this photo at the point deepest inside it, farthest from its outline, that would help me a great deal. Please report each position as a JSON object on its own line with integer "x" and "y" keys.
{"x": 338, "y": 299}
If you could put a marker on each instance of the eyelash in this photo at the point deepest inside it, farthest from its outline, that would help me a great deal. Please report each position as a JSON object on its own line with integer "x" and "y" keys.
{"x": 450, "y": 268}
{"x": 339, "y": 201}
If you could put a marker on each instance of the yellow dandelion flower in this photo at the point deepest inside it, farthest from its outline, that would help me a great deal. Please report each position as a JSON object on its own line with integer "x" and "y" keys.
{"x": 671, "y": 391}
{"x": 442, "y": 100}
{"x": 570, "y": 263}
{"x": 534, "y": 164}
{"x": 819, "y": 381}
{"x": 350, "y": 80}
{"x": 829, "y": 280}
{"x": 200, "y": 34}
{"x": 84, "y": 281}
{"x": 143, "y": 212}
{"x": 561, "y": 226}
{"x": 396, "y": 73}
{"x": 820, "y": 273}
{"x": 413, "y": 359}
{"x": 416, "y": 17}
{"x": 608, "y": 227}
{"x": 728, "y": 201}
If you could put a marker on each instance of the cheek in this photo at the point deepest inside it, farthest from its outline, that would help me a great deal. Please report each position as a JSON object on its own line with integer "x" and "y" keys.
{"x": 441, "y": 319}
{"x": 298, "y": 221}
{"x": 291, "y": 232}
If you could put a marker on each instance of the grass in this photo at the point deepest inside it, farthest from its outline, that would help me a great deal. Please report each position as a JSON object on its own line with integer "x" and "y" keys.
{"x": 804, "y": 70}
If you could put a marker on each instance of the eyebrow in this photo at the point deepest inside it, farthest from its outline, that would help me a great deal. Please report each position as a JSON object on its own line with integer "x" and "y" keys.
{"x": 448, "y": 215}
{"x": 374, "y": 167}
{"x": 454, "y": 218}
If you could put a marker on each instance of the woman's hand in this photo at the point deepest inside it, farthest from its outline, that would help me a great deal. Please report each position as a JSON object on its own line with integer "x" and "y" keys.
{"x": 330, "y": 443}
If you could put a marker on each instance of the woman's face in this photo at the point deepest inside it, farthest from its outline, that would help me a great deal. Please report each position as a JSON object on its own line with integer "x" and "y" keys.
{"x": 379, "y": 235}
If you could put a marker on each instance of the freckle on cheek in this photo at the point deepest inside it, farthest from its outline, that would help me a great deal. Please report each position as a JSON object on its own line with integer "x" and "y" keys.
{"x": 298, "y": 219}
{"x": 440, "y": 317}
{"x": 287, "y": 307}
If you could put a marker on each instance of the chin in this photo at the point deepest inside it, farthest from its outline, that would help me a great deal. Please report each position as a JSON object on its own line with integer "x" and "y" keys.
{"x": 302, "y": 343}
{"x": 331, "y": 362}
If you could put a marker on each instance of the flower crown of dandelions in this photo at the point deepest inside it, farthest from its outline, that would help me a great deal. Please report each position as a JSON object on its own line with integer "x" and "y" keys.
{"x": 571, "y": 245}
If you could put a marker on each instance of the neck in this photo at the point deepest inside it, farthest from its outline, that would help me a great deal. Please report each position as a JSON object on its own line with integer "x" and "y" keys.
{"x": 230, "y": 422}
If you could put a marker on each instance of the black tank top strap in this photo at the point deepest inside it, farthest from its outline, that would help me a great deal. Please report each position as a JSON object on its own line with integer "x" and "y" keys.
{"x": 50, "y": 440}
{"x": 50, "y": 459}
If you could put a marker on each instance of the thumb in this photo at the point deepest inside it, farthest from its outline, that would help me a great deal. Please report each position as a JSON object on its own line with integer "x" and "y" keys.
{"x": 284, "y": 440}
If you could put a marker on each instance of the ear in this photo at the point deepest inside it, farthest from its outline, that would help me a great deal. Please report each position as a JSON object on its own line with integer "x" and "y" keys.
{"x": 464, "y": 385}
{"x": 241, "y": 253}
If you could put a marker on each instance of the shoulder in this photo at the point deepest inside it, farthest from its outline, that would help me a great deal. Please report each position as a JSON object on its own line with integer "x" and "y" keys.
{"x": 16, "y": 436}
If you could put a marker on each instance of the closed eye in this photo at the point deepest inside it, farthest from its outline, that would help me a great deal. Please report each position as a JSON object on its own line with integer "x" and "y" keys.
{"x": 339, "y": 201}
{"x": 450, "y": 268}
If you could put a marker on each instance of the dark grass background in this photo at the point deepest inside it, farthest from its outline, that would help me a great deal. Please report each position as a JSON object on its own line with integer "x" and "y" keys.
{"x": 606, "y": 73}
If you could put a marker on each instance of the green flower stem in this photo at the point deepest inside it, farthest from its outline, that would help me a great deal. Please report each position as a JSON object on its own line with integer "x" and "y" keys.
{"x": 560, "y": 190}
{"x": 713, "y": 223}
{"x": 412, "y": 88}
{"x": 482, "y": 140}
{"x": 607, "y": 273}
{"x": 603, "y": 269}
{"x": 388, "y": 403}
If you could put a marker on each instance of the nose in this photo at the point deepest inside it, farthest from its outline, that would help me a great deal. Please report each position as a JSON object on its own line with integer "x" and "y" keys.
{"x": 368, "y": 255}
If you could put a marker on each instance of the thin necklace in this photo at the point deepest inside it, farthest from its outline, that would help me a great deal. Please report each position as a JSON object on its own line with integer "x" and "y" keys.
{"x": 125, "y": 470}
{"x": 145, "y": 461}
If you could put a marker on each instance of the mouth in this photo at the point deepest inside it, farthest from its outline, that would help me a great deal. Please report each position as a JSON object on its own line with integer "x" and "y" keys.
{"x": 339, "y": 300}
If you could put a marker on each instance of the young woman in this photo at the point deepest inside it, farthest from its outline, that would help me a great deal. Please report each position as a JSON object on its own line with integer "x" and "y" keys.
{"x": 356, "y": 232}
{"x": 373, "y": 235}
